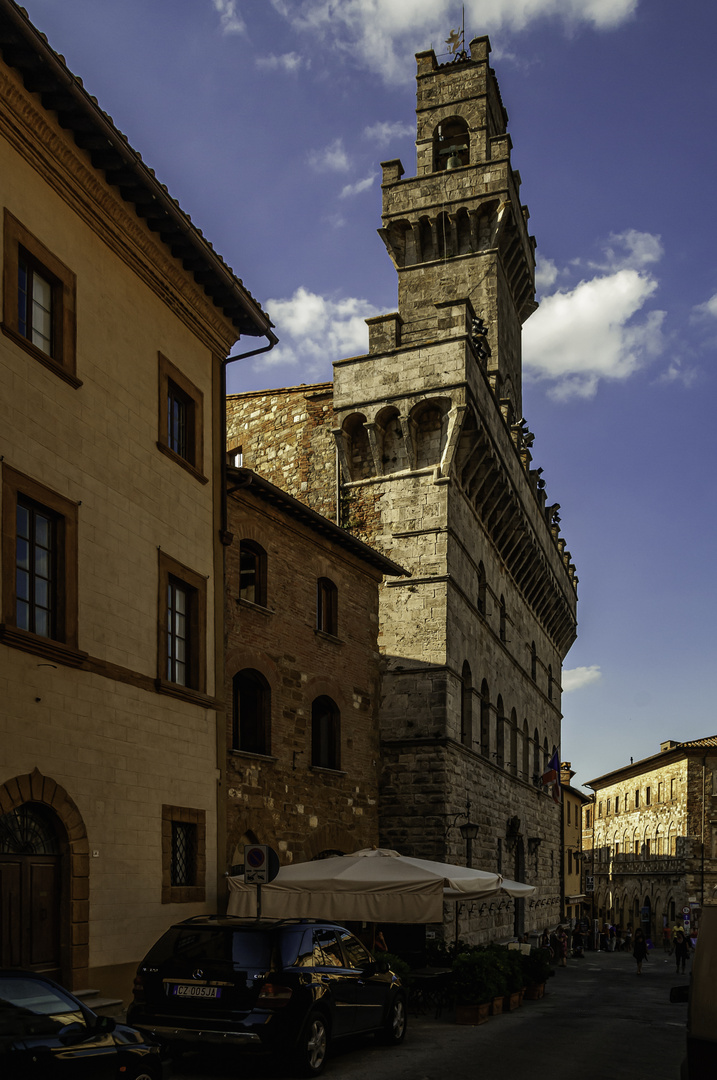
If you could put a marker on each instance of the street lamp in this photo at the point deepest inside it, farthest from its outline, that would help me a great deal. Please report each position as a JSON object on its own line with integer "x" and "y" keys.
{"x": 469, "y": 831}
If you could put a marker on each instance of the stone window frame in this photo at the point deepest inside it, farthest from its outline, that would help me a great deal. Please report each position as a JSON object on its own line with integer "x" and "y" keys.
{"x": 184, "y": 894}
{"x": 173, "y": 383}
{"x": 20, "y": 244}
{"x": 63, "y": 645}
{"x": 196, "y": 589}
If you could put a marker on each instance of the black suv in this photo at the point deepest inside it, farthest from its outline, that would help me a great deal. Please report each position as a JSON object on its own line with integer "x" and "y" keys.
{"x": 288, "y": 986}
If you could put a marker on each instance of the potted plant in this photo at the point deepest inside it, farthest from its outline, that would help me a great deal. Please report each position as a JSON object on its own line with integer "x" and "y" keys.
{"x": 536, "y": 970}
{"x": 512, "y": 969}
{"x": 476, "y": 983}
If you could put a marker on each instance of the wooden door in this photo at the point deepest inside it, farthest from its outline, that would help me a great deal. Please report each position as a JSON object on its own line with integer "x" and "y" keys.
{"x": 30, "y": 912}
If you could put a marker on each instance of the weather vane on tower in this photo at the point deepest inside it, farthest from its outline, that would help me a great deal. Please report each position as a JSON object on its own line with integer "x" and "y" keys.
{"x": 456, "y": 41}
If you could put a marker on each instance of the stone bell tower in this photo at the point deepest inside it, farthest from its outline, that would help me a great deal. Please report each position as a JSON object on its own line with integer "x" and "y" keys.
{"x": 436, "y": 467}
{"x": 457, "y": 229}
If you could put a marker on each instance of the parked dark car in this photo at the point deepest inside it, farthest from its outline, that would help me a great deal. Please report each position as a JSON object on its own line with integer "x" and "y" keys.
{"x": 47, "y": 1033}
{"x": 286, "y": 986}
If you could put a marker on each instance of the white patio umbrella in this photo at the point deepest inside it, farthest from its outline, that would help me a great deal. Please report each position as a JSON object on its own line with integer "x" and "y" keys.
{"x": 376, "y": 885}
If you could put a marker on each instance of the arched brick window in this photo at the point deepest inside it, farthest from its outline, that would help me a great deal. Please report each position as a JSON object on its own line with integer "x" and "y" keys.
{"x": 327, "y": 606}
{"x": 252, "y": 572}
{"x": 252, "y": 712}
{"x": 325, "y": 733}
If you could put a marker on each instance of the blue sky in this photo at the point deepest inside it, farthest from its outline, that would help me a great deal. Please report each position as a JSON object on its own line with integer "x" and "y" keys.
{"x": 267, "y": 120}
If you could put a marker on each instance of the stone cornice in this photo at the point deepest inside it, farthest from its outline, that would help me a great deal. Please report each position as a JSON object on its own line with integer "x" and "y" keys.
{"x": 31, "y": 132}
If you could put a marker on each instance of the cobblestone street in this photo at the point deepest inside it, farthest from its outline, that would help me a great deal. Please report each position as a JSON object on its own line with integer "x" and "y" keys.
{"x": 597, "y": 1019}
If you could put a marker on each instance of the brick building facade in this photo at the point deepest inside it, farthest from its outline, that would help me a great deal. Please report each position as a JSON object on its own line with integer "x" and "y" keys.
{"x": 650, "y": 836}
{"x": 420, "y": 448}
{"x": 302, "y": 678}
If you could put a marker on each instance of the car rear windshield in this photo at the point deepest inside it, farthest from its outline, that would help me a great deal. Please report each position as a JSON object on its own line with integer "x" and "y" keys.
{"x": 247, "y": 949}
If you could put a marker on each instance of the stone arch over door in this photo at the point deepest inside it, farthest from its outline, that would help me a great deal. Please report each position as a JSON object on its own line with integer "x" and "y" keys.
{"x": 334, "y": 838}
{"x": 74, "y": 883}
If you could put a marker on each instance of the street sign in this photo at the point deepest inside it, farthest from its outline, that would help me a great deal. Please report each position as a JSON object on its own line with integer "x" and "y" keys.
{"x": 685, "y": 911}
{"x": 589, "y": 883}
{"x": 261, "y": 864}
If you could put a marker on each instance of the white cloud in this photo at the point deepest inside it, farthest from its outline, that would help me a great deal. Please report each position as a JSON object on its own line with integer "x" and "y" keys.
{"x": 546, "y": 274}
{"x": 578, "y": 677}
{"x": 708, "y": 308}
{"x": 678, "y": 372}
{"x": 286, "y": 62}
{"x": 333, "y": 157}
{"x": 385, "y": 131}
{"x": 578, "y": 337}
{"x": 382, "y": 34}
{"x": 630, "y": 250}
{"x": 315, "y": 330}
{"x": 358, "y": 187}
{"x": 230, "y": 21}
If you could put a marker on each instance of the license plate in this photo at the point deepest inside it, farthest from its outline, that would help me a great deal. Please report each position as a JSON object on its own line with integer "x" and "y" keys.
{"x": 197, "y": 991}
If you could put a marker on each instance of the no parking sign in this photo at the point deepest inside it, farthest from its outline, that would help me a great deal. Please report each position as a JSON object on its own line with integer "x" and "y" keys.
{"x": 261, "y": 864}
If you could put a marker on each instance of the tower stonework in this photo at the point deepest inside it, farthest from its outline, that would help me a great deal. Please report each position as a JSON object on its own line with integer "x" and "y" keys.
{"x": 435, "y": 469}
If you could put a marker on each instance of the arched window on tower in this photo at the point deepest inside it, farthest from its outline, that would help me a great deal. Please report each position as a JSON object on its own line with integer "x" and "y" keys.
{"x": 537, "y": 771}
{"x": 325, "y": 734}
{"x": 482, "y": 588}
{"x": 503, "y": 621}
{"x": 451, "y": 144}
{"x": 466, "y": 706}
{"x": 533, "y": 662}
{"x": 513, "y": 748}
{"x": 484, "y": 719}
{"x": 526, "y": 752}
{"x": 550, "y": 682}
{"x": 500, "y": 734}
{"x": 251, "y": 712}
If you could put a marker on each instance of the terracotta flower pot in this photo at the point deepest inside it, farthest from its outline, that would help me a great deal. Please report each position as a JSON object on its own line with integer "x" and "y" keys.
{"x": 511, "y": 1001}
{"x": 497, "y": 1006}
{"x": 472, "y": 1015}
{"x": 534, "y": 993}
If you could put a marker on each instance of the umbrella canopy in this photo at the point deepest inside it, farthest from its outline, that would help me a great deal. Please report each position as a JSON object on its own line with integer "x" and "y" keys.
{"x": 370, "y": 885}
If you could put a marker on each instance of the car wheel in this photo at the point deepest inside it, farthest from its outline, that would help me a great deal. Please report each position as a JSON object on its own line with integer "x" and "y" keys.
{"x": 313, "y": 1045}
{"x": 142, "y": 1072}
{"x": 394, "y": 1030}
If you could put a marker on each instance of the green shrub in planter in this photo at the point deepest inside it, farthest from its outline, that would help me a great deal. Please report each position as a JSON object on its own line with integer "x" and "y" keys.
{"x": 512, "y": 968}
{"x": 476, "y": 977}
{"x": 536, "y": 966}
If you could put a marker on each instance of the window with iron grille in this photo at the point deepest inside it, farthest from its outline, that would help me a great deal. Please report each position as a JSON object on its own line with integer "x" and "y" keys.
{"x": 184, "y": 862}
{"x": 184, "y": 853}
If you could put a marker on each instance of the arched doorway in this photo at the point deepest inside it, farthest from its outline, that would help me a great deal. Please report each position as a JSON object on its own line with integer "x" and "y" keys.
{"x": 30, "y": 889}
{"x": 44, "y": 912}
{"x": 646, "y": 917}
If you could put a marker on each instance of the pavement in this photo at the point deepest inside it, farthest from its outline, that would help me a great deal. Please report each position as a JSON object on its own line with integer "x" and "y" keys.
{"x": 598, "y": 1020}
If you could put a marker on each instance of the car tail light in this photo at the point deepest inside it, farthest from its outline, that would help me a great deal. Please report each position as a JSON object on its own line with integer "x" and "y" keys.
{"x": 273, "y": 996}
{"x": 138, "y": 987}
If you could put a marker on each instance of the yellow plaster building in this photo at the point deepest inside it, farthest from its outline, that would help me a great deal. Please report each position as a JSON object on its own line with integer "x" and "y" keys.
{"x": 116, "y": 320}
{"x": 650, "y": 835}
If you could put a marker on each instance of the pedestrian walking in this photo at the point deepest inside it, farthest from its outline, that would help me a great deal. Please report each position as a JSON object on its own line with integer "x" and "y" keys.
{"x": 639, "y": 950}
{"x": 667, "y": 939}
{"x": 682, "y": 951}
{"x": 562, "y": 947}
